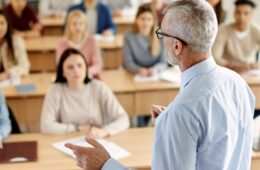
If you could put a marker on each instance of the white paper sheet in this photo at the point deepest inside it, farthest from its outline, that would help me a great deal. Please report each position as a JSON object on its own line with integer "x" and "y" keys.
{"x": 255, "y": 72}
{"x": 139, "y": 78}
{"x": 113, "y": 149}
{"x": 102, "y": 38}
{"x": 171, "y": 75}
{"x": 14, "y": 81}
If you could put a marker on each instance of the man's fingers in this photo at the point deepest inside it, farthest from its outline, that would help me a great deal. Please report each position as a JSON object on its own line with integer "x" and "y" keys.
{"x": 94, "y": 143}
{"x": 77, "y": 149}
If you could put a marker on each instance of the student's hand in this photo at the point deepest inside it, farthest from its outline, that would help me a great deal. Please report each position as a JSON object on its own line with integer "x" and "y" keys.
{"x": 1, "y": 144}
{"x": 117, "y": 13}
{"x": 239, "y": 68}
{"x": 156, "y": 111}
{"x": 96, "y": 132}
{"x": 254, "y": 66}
{"x": 4, "y": 76}
{"x": 86, "y": 128}
{"x": 151, "y": 71}
{"x": 144, "y": 72}
{"x": 90, "y": 158}
{"x": 107, "y": 32}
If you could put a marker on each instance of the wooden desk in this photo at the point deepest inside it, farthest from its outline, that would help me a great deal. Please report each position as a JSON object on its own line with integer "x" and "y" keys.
{"x": 136, "y": 98}
{"x": 137, "y": 141}
{"x": 53, "y": 25}
{"x": 41, "y": 52}
{"x": 124, "y": 23}
{"x": 255, "y": 164}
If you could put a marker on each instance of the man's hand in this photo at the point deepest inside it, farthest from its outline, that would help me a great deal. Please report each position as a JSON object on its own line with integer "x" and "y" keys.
{"x": 155, "y": 112}
{"x": 90, "y": 158}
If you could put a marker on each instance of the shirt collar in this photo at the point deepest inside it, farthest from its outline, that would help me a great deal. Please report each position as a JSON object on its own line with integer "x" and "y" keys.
{"x": 200, "y": 68}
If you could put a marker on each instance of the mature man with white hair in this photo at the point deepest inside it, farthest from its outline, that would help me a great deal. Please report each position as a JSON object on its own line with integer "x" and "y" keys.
{"x": 209, "y": 124}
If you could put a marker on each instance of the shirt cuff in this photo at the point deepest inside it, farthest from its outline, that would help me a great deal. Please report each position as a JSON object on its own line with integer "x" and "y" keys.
{"x": 113, "y": 164}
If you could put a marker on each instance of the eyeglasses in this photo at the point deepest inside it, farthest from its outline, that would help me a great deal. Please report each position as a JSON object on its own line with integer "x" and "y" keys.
{"x": 161, "y": 34}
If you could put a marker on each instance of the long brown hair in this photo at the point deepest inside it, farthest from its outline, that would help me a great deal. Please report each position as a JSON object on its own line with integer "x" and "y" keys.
{"x": 154, "y": 42}
{"x": 8, "y": 37}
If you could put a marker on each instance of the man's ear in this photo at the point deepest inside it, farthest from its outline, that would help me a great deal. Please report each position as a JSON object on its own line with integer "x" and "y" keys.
{"x": 177, "y": 47}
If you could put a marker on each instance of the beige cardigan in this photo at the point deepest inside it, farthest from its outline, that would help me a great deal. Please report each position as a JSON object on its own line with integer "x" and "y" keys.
{"x": 228, "y": 49}
{"x": 95, "y": 104}
{"x": 21, "y": 66}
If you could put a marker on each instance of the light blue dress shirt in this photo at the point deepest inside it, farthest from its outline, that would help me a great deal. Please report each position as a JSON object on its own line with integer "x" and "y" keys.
{"x": 209, "y": 125}
{"x": 5, "y": 123}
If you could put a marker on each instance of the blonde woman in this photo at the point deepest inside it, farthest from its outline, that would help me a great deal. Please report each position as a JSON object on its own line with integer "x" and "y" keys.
{"x": 143, "y": 52}
{"x": 76, "y": 36}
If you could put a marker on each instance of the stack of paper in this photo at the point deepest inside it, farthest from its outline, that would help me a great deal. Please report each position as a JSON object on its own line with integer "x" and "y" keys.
{"x": 255, "y": 72}
{"x": 114, "y": 150}
{"x": 170, "y": 75}
{"x": 102, "y": 38}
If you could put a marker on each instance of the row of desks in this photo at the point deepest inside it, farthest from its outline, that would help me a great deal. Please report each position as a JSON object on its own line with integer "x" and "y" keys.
{"x": 137, "y": 141}
{"x": 41, "y": 52}
{"x": 135, "y": 97}
{"x": 54, "y": 25}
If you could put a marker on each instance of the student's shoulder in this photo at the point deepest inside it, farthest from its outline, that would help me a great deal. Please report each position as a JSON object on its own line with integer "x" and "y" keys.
{"x": 29, "y": 10}
{"x": 226, "y": 28}
{"x": 102, "y": 6}
{"x": 79, "y": 6}
{"x": 130, "y": 35}
{"x": 255, "y": 29}
{"x": 98, "y": 85}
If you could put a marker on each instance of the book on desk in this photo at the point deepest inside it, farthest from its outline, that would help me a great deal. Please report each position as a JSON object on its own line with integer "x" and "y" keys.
{"x": 23, "y": 151}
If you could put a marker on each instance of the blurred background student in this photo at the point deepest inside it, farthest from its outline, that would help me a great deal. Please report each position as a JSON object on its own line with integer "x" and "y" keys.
{"x": 158, "y": 6}
{"x": 5, "y": 123}
{"x": 237, "y": 43}
{"x": 217, "y": 5}
{"x": 143, "y": 53}
{"x": 55, "y": 8}
{"x": 121, "y": 8}
{"x": 76, "y": 103}
{"x": 23, "y": 18}
{"x": 99, "y": 17}
{"x": 77, "y": 36}
{"x": 13, "y": 56}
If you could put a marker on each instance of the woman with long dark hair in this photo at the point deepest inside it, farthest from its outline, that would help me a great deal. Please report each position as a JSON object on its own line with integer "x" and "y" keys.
{"x": 76, "y": 103}
{"x": 13, "y": 55}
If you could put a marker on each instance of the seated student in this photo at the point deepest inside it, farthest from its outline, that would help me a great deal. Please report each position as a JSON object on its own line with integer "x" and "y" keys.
{"x": 57, "y": 8}
{"x": 120, "y": 8}
{"x": 13, "y": 56}
{"x": 143, "y": 53}
{"x": 76, "y": 36}
{"x": 98, "y": 16}
{"x": 77, "y": 103}
{"x": 217, "y": 5}
{"x": 158, "y": 6}
{"x": 5, "y": 123}
{"x": 23, "y": 18}
{"x": 237, "y": 43}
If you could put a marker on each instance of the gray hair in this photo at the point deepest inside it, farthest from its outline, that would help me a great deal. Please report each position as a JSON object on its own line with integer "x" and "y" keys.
{"x": 193, "y": 21}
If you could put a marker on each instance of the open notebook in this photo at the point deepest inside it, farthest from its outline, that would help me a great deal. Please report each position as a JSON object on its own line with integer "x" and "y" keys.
{"x": 113, "y": 149}
{"x": 18, "y": 152}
